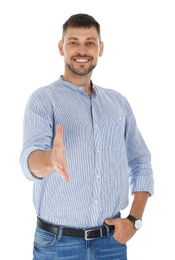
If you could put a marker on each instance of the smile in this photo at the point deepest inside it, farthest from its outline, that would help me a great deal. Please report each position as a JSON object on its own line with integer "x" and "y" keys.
{"x": 82, "y": 60}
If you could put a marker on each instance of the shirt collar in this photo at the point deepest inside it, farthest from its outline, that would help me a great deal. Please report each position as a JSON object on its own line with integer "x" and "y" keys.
{"x": 74, "y": 87}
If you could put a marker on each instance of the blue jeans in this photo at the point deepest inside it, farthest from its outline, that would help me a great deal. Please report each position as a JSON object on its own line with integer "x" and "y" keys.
{"x": 48, "y": 246}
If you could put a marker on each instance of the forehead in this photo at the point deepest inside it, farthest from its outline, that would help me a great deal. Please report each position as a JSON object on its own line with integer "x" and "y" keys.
{"x": 81, "y": 33}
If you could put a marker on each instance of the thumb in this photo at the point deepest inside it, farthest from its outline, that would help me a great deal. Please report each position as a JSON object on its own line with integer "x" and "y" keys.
{"x": 110, "y": 222}
{"x": 59, "y": 132}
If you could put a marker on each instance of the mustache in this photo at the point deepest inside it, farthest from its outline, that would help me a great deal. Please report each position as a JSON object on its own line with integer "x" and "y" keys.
{"x": 80, "y": 56}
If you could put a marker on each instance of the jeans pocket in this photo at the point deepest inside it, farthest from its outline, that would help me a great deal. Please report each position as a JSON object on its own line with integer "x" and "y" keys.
{"x": 118, "y": 243}
{"x": 43, "y": 238}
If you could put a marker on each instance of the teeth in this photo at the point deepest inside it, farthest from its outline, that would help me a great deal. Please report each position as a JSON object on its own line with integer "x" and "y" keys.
{"x": 81, "y": 60}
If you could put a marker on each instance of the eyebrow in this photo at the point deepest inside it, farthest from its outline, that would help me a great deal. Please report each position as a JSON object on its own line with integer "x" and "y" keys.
{"x": 87, "y": 39}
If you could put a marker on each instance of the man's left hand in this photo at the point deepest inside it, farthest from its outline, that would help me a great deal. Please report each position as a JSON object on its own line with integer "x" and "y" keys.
{"x": 124, "y": 229}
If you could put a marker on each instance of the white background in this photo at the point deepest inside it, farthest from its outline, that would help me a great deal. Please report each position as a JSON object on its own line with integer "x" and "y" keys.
{"x": 138, "y": 61}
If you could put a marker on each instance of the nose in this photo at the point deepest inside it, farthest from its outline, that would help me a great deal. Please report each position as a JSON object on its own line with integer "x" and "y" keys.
{"x": 82, "y": 51}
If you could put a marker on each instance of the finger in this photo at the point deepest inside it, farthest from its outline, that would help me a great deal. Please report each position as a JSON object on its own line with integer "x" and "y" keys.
{"x": 65, "y": 172}
{"x": 62, "y": 171}
{"x": 63, "y": 175}
{"x": 59, "y": 140}
{"x": 59, "y": 132}
{"x": 59, "y": 166}
{"x": 110, "y": 222}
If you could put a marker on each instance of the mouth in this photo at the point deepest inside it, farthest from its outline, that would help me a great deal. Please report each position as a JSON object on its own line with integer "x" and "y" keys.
{"x": 81, "y": 60}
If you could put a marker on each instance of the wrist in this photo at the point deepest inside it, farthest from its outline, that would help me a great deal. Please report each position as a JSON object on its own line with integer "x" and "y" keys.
{"x": 40, "y": 163}
{"x": 137, "y": 223}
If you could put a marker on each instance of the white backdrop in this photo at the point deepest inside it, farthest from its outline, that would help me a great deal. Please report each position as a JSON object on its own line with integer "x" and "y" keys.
{"x": 138, "y": 61}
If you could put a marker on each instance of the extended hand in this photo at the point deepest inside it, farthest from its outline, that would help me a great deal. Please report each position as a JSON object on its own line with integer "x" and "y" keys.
{"x": 58, "y": 157}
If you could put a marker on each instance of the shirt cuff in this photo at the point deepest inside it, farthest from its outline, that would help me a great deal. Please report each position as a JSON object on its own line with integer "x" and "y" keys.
{"x": 24, "y": 163}
{"x": 143, "y": 183}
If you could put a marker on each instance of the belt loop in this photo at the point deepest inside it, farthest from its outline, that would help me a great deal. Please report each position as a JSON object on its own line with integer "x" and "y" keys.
{"x": 60, "y": 232}
{"x": 108, "y": 231}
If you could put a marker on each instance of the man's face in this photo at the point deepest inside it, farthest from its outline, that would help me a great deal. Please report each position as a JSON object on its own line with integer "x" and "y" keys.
{"x": 81, "y": 48}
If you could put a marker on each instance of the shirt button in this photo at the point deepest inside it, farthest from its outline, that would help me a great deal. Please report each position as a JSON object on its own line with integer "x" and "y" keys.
{"x": 95, "y": 201}
{"x": 98, "y": 176}
{"x": 96, "y": 126}
{"x": 98, "y": 151}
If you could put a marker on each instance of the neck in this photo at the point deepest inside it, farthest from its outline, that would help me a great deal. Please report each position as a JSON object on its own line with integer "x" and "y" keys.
{"x": 82, "y": 81}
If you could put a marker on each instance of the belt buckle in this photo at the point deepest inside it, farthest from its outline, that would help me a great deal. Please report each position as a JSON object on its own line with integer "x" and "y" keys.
{"x": 91, "y": 236}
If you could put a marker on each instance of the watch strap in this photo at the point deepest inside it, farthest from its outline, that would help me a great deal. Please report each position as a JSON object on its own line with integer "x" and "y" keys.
{"x": 131, "y": 218}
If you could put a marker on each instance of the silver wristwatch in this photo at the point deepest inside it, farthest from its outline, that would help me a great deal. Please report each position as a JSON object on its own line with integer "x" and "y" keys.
{"x": 137, "y": 222}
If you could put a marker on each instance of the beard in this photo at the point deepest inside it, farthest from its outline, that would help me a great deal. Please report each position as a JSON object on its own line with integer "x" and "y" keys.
{"x": 80, "y": 72}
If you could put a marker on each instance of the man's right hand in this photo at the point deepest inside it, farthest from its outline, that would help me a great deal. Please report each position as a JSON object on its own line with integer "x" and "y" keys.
{"x": 42, "y": 163}
{"x": 58, "y": 157}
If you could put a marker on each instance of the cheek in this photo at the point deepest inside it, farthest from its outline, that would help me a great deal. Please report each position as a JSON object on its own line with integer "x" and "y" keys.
{"x": 68, "y": 53}
{"x": 96, "y": 56}
{"x": 67, "y": 59}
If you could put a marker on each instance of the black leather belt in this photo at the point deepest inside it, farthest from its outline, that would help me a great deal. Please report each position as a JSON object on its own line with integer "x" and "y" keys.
{"x": 87, "y": 234}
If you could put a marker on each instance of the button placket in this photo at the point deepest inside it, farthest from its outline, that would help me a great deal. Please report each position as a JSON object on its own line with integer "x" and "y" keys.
{"x": 97, "y": 180}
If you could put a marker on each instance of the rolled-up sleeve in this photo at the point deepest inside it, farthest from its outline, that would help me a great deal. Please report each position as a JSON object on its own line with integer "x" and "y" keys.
{"x": 37, "y": 130}
{"x": 139, "y": 157}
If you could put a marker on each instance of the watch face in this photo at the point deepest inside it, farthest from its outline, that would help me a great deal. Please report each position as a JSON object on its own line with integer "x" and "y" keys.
{"x": 138, "y": 224}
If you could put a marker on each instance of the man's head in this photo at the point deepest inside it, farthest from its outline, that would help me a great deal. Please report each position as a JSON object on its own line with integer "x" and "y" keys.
{"x": 81, "y": 21}
{"x": 81, "y": 44}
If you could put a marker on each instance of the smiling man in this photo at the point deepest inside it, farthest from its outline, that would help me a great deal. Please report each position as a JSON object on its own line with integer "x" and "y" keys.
{"x": 81, "y": 48}
{"x": 83, "y": 151}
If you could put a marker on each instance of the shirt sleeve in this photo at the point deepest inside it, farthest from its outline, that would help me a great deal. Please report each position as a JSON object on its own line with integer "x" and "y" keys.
{"x": 139, "y": 156}
{"x": 37, "y": 129}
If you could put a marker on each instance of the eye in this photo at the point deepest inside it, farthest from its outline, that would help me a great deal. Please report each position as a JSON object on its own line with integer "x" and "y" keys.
{"x": 90, "y": 43}
{"x": 73, "y": 43}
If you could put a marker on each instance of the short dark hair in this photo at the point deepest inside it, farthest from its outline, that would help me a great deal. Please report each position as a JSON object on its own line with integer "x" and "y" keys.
{"x": 81, "y": 20}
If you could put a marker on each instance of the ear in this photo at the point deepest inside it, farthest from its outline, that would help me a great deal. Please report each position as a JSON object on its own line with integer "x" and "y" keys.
{"x": 60, "y": 48}
{"x": 101, "y": 49}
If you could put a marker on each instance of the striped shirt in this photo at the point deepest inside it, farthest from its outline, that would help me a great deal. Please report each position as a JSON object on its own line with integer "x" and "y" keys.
{"x": 105, "y": 153}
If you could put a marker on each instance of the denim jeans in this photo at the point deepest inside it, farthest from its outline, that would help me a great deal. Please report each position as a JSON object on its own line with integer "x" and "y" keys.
{"x": 48, "y": 246}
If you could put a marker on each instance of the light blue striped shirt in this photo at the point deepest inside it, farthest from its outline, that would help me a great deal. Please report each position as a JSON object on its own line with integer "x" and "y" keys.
{"x": 105, "y": 153}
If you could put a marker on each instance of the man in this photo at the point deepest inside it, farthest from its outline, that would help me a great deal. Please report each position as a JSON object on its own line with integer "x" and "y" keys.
{"x": 82, "y": 148}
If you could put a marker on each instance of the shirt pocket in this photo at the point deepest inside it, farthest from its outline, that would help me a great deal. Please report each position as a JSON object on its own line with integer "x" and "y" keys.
{"x": 114, "y": 132}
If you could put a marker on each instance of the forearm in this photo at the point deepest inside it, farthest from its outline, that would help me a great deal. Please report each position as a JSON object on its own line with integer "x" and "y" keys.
{"x": 124, "y": 229}
{"x": 39, "y": 163}
{"x": 139, "y": 203}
